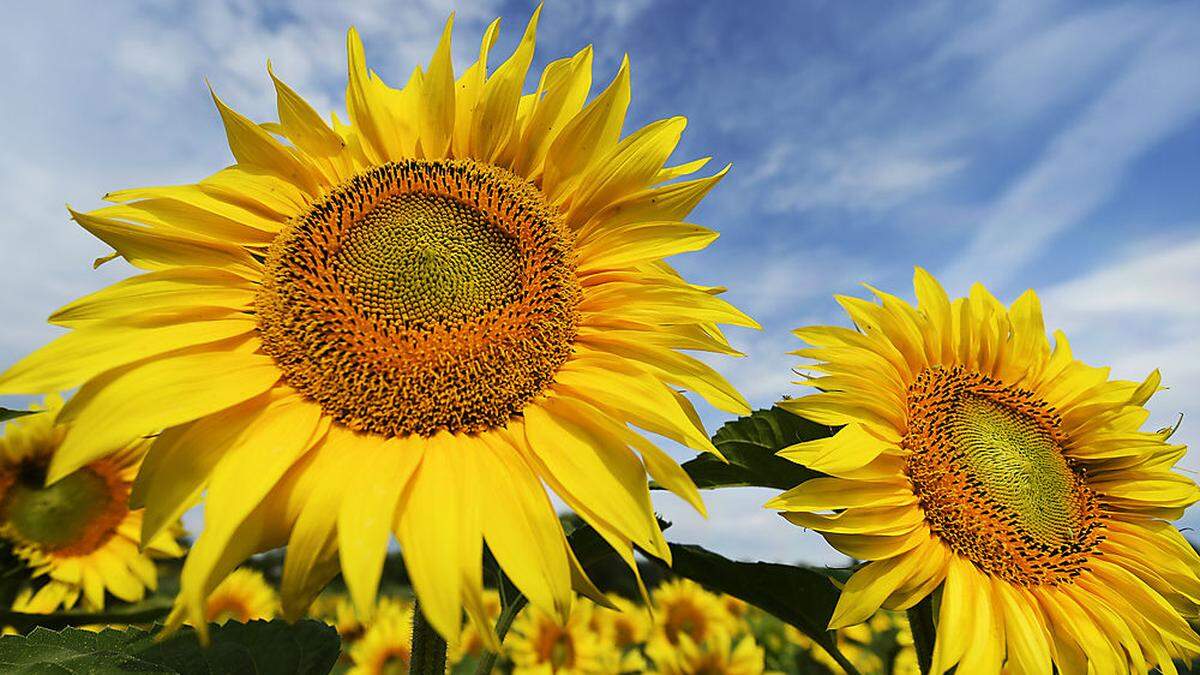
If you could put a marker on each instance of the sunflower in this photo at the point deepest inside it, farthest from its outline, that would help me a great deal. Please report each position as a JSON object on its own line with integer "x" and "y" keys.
{"x": 243, "y": 596}
{"x": 718, "y": 654}
{"x": 682, "y": 607}
{"x": 458, "y": 298}
{"x": 385, "y": 648}
{"x": 975, "y": 459}
{"x": 539, "y": 643}
{"x": 625, "y": 626}
{"x": 77, "y": 535}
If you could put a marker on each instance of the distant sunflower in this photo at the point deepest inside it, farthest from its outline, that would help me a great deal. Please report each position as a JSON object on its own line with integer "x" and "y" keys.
{"x": 77, "y": 535}
{"x": 398, "y": 323}
{"x": 540, "y": 644}
{"x": 243, "y": 596}
{"x": 624, "y": 627}
{"x": 682, "y": 607}
{"x": 385, "y": 648}
{"x": 974, "y": 458}
{"x": 719, "y": 654}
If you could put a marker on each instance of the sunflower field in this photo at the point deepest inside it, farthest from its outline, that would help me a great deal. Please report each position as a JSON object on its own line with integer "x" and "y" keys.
{"x": 414, "y": 369}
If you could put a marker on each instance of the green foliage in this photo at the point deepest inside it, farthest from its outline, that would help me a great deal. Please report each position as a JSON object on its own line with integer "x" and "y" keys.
{"x": 263, "y": 647}
{"x": 750, "y": 444}
{"x": 6, "y": 414}
{"x": 800, "y": 596}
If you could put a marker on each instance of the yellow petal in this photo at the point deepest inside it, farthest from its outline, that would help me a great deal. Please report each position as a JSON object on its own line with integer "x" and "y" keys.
{"x": 588, "y": 136}
{"x": 254, "y": 147}
{"x": 157, "y": 248}
{"x": 560, "y": 95}
{"x": 522, "y": 530}
{"x": 115, "y": 408}
{"x": 820, "y": 494}
{"x": 437, "y": 95}
{"x": 312, "y": 547}
{"x": 172, "y": 289}
{"x": 372, "y": 491}
{"x": 632, "y": 166}
{"x": 593, "y": 464}
{"x": 302, "y": 124}
{"x": 178, "y": 464}
{"x": 86, "y": 352}
{"x": 625, "y": 245}
{"x": 495, "y": 120}
{"x": 430, "y": 514}
{"x": 870, "y": 586}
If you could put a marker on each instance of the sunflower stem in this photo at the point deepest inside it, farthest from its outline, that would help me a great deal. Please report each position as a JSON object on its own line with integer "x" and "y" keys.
{"x": 428, "y": 647}
{"x": 512, "y": 601}
{"x": 920, "y": 620}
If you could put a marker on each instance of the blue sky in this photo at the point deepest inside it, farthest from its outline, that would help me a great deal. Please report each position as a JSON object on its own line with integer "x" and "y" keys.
{"x": 1041, "y": 144}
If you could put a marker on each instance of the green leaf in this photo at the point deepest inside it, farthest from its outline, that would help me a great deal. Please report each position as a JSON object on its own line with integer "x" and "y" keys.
{"x": 802, "y": 597}
{"x": 750, "y": 444}
{"x": 263, "y": 647}
{"x": 6, "y": 414}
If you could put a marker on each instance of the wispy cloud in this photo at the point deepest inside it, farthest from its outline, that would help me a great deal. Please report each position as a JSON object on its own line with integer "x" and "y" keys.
{"x": 1154, "y": 95}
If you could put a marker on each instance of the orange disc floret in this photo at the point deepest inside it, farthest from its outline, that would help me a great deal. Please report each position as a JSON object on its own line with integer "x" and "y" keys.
{"x": 988, "y": 468}
{"x": 422, "y": 296}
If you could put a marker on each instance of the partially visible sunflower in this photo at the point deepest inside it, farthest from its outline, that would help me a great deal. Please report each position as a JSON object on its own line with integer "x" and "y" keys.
{"x": 683, "y": 607}
{"x": 540, "y": 644}
{"x": 77, "y": 535}
{"x": 718, "y": 654}
{"x": 385, "y": 648}
{"x": 975, "y": 459}
{"x": 627, "y": 625}
{"x": 446, "y": 305}
{"x": 243, "y": 596}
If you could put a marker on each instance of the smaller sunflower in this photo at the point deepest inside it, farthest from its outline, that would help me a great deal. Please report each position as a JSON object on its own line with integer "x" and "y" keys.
{"x": 386, "y": 647}
{"x": 719, "y": 654}
{"x": 624, "y": 627}
{"x": 683, "y": 607}
{"x": 243, "y": 596}
{"x": 540, "y": 644}
{"x": 78, "y": 536}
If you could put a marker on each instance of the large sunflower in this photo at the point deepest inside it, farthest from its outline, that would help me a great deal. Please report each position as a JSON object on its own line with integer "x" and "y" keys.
{"x": 77, "y": 535}
{"x": 974, "y": 458}
{"x": 400, "y": 324}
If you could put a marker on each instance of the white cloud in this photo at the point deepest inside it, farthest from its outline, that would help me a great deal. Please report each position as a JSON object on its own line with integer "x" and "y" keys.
{"x": 1153, "y": 96}
{"x": 1137, "y": 314}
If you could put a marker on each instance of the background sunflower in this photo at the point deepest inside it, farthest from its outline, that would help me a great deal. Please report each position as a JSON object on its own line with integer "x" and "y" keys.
{"x": 972, "y": 457}
{"x": 77, "y": 536}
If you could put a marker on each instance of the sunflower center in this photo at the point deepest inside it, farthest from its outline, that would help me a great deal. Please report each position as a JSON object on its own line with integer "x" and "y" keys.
{"x": 73, "y": 516}
{"x": 988, "y": 467}
{"x": 422, "y": 296}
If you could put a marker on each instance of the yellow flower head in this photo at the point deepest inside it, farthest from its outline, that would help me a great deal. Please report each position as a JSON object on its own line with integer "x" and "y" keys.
{"x": 718, "y": 654}
{"x": 385, "y": 649}
{"x": 683, "y": 607}
{"x": 625, "y": 627}
{"x": 78, "y": 535}
{"x": 243, "y": 596}
{"x": 975, "y": 458}
{"x": 440, "y": 306}
{"x": 540, "y": 644}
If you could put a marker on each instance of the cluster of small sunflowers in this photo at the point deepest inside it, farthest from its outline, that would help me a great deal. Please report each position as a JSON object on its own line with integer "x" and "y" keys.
{"x": 430, "y": 321}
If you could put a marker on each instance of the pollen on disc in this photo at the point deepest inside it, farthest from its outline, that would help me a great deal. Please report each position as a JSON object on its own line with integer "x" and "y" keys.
{"x": 988, "y": 467}
{"x": 422, "y": 296}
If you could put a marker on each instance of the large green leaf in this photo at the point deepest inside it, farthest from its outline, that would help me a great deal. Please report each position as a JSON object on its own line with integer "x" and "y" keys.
{"x": 750, "y": 444}
{"x": 802, "y": 597}
{"x": 7, "y": 414}
{"x": 262, "y": 647}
